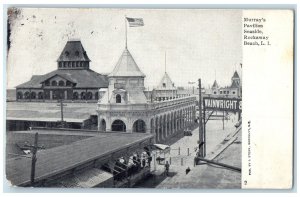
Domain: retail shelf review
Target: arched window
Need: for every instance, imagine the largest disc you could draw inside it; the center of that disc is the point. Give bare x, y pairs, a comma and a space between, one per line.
19, 95
89, 96
61, 83
47, 83
139, 126
33, 95
118, 98
118, 125
27, 95
215, 92
96, 95
68, 83
40, 95
233, 92
164, 85
83, 96
75, 95
54, 83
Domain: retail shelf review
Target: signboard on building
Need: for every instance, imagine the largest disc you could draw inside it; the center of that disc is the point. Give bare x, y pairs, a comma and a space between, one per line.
222, 104
119, 85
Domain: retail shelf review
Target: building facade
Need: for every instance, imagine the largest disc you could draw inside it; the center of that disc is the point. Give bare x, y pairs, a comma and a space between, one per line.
232, 91
165, 90
125, 108
73, 80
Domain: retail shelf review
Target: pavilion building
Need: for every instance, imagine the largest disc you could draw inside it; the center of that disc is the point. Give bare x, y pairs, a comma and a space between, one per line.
73, 80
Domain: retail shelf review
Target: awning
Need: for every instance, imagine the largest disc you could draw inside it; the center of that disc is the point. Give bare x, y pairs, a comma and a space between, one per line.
160, 147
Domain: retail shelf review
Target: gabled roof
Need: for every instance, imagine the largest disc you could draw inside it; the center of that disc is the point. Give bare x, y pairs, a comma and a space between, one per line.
167, 81
62, 75
73, 51
215, 85
126, 67
235, 75
83, 79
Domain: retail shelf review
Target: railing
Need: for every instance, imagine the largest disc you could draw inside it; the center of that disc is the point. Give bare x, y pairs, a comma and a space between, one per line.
146, 106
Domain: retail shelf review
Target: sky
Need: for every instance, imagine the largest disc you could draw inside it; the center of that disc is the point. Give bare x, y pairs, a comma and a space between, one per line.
204, 44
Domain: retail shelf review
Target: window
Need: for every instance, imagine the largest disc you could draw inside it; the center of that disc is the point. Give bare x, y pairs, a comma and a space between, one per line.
118, 98
40, 95
61, 83
89, 96
33, 95
54, 83
75, 95
215, 92
19, 95
233, 92
67, 53
97, 95
77, 53
83, 96
47, 83
221, 92
68, 83
164, 85
27, 95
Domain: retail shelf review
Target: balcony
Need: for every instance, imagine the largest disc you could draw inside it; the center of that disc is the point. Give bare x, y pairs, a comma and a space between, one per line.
146, 106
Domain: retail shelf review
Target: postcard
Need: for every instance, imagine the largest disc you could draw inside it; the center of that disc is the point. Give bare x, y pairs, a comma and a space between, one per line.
149, 98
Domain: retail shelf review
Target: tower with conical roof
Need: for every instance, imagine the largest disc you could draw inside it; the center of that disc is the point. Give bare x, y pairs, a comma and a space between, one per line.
166, 88
215, 85
235, 80
126, 82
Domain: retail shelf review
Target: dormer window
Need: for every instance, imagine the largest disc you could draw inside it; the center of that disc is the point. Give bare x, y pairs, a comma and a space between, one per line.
67, 53
164, 85
54, 83
77, 53
61, 83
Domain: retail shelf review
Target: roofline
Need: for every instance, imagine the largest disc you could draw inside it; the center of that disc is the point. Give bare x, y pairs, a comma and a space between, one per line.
110, 76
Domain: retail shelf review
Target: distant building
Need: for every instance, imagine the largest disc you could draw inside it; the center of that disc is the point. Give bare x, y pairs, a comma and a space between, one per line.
166, 89
232, 91
73, 80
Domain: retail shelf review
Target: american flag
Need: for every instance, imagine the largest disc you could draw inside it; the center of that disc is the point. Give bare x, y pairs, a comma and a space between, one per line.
135, 22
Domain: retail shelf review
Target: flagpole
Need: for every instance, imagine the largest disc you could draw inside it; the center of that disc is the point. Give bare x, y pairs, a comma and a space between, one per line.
125, 33
165, 61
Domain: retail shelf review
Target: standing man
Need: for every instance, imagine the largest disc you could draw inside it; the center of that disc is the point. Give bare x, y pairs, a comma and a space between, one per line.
167, 166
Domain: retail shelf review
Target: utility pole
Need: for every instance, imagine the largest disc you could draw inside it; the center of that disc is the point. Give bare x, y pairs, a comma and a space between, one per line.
34, 149
201, 141
62, 111
223, 120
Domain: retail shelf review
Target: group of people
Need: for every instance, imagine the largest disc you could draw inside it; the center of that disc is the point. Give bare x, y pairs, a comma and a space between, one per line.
123, 169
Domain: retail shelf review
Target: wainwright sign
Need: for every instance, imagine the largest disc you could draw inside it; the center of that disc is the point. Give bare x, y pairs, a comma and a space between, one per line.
223, 104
